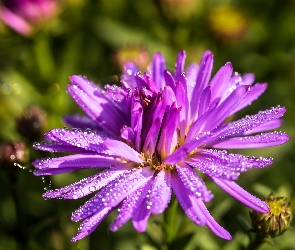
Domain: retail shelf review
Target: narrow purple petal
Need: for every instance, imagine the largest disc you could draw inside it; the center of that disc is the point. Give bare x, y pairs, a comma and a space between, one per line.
191, 76
114, 192
271, 125
193, 183
122, 149
96, 105
179, 65
241, 195
252, 95
77, 161
140, 217
58, 147
250, 122
169, 79
80, 121
202, 80
204, 101
91, 223
88, 185
187, 202
129, 205
87, 139
136, 124
161, 192
183, 103
168, 132
220, 81
128, 78
213, 225
213, 118
222, 165
151, 137
157, 70
257, 141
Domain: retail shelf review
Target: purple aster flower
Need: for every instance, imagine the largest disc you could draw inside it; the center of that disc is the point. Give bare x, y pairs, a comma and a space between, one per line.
149, 136
22, 15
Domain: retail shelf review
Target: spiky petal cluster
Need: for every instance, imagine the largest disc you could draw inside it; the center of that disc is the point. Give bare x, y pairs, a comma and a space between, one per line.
150, 135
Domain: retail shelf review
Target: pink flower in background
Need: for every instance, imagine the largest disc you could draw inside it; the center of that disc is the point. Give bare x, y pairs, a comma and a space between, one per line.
23, 15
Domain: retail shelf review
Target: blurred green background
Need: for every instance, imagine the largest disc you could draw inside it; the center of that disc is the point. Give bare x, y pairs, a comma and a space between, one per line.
94, 38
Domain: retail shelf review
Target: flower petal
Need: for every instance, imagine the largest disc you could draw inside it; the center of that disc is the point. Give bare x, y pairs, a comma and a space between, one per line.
252, 95
129, 205
193, 183
161, 192
257, 141
88, 185
87, 139
187, 202
241, 195
202, 80
114, 192
122, 149
213, 225
91, 223
74, 162
222, 165
157, 70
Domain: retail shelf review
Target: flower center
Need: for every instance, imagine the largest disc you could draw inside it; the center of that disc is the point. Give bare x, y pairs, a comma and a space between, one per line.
155, 162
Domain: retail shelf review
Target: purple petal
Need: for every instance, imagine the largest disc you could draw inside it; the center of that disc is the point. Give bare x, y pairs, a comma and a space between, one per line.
271, 125
191, 76
179, 65
213, 225
252, 95
136, 123
58, 147
213, 118
187, 202
193, 183
183, 103
202, 80
250, 122
257, 141
114, 192
222, 165
128, 78
168, 132
87, 139
161, 192
151, 137
96, 105
74, 162
242, 195
140, 217
204, 101
157, 70
129, 205
220, 81
80, 121
91, 223
169, 80
122, 149
88, 185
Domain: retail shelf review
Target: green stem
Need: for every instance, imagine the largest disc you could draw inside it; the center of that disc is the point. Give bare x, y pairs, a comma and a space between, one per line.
255, 243
169, 224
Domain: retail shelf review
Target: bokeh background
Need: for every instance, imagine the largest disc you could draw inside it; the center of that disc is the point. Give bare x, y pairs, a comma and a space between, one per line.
94, 38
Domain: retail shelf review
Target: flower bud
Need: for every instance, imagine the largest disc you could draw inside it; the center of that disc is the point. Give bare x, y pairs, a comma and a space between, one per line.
32, 123
275, 222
